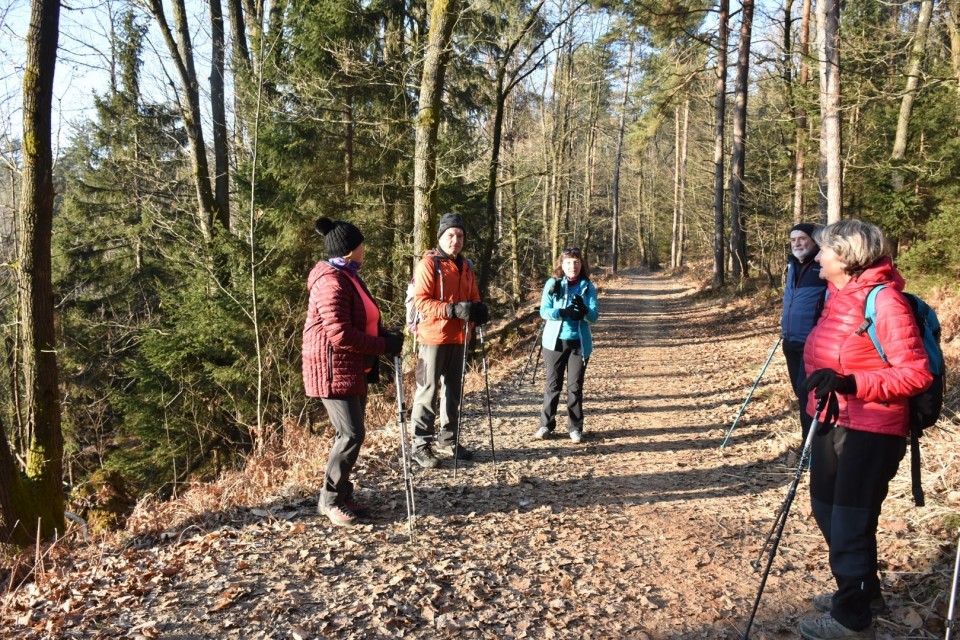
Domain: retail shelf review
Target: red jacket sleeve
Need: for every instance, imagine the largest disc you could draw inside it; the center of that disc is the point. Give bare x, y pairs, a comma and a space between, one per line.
909, 370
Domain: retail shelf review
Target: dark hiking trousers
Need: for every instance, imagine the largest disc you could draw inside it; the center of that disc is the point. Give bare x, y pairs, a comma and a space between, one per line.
347, 416
793, 352
439, 373
568, 358
850, 473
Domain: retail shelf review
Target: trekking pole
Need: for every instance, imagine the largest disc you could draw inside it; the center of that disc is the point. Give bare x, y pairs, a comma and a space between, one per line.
463, 382
776, 532
523, 373
404, 453
953, 592
486, 384
750, 395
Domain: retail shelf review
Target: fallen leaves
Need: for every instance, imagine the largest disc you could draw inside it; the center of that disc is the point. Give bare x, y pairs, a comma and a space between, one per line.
645, 531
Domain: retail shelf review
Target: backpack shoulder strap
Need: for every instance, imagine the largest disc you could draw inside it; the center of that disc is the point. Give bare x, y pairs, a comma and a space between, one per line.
870, 313
437, 276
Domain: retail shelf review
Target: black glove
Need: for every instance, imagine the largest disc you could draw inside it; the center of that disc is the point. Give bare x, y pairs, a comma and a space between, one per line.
574, 313
462, 310
830, 417
564, 312
580, 305
826, 381
394, 343
479, 313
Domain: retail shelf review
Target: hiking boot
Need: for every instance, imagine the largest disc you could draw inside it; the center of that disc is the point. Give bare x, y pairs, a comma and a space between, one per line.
576, 436
462, 453
340, 516
824, 603
542, 433
358, 509
826, 628
425, 458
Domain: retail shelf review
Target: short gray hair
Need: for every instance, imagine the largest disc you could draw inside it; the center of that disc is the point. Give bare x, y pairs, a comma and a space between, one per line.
857, 243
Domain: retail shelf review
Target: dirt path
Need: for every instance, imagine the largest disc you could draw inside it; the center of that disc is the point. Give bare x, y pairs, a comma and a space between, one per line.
645, 530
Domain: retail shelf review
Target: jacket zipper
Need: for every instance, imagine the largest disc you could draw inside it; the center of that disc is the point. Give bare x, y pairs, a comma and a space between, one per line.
330, 363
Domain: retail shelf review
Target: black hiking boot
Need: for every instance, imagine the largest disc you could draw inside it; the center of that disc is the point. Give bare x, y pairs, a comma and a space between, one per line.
425, 458
460, 451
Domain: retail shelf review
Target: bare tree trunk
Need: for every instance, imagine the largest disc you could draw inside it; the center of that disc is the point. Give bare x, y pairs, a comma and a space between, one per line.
348, 143
720, 111
801, 116
951, 11
26, 508
181, 51
615, 232
675, 227
682, 200
910, 93
738, 161
218, 110
442, 18
831, 178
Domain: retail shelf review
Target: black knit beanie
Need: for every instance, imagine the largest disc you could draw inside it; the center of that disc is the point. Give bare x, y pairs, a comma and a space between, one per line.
806, 227
339, 237
450, 220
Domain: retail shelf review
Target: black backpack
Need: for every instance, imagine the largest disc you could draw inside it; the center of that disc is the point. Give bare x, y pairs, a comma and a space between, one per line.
926, 406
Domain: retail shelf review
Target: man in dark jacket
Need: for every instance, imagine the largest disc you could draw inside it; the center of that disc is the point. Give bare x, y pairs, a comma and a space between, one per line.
802, 302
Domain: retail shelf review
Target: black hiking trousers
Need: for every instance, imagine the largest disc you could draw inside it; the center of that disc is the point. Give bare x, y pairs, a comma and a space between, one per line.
850, 473
793, 352
567, 358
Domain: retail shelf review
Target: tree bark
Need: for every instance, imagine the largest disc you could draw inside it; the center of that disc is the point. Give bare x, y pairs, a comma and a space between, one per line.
720, 111
910, 92
951, 10
682, 195
800, 112
219, 112
181, 50
621, 128
442, 18
738, 160
37, 503
830, 174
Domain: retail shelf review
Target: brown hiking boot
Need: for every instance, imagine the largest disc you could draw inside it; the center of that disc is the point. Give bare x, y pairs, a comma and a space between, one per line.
358, 509
340, 516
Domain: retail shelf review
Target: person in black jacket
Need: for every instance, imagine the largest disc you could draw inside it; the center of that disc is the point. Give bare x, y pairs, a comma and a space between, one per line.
803, 297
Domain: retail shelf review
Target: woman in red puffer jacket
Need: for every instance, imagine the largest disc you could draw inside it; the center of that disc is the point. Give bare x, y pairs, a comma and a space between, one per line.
342, 338
853, 463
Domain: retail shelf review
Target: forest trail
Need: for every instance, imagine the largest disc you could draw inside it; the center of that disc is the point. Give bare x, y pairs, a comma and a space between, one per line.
645, 530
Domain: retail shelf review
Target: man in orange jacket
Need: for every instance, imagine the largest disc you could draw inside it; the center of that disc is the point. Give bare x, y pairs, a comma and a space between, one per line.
447, 299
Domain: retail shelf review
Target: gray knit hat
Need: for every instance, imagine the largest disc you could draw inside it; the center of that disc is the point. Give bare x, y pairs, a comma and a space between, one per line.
450, 220
339, 237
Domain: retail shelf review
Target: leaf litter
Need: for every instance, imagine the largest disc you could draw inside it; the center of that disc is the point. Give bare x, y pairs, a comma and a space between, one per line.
645, 530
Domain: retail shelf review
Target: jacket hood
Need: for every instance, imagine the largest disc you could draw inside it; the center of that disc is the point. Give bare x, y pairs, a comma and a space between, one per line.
880, 272
319, 270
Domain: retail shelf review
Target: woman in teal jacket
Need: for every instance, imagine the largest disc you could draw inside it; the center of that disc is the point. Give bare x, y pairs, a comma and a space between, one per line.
568, 306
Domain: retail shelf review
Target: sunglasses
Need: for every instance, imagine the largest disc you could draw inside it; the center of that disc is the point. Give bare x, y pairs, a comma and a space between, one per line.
571, 251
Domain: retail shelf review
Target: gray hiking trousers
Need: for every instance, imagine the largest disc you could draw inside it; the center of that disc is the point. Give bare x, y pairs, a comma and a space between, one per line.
439, 372
347, 415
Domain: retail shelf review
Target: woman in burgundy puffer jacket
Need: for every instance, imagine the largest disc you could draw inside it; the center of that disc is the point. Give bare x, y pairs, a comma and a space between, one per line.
853, 463
342, 338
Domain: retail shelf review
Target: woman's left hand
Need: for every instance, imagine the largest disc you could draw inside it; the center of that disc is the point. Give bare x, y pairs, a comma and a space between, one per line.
826, 381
